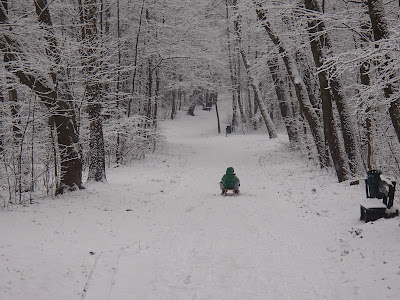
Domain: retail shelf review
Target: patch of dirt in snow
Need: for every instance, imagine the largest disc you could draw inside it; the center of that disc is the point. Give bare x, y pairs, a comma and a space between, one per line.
159, 229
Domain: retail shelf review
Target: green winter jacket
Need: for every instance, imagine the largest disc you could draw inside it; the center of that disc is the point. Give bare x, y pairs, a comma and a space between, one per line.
229, 179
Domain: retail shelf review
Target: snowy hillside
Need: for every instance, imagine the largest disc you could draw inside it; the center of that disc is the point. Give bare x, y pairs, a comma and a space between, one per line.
159, 229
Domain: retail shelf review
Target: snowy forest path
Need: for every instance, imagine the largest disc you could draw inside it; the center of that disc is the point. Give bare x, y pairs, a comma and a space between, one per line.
160, 229
201, 245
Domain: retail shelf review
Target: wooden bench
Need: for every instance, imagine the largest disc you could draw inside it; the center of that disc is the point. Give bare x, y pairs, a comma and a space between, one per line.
374, 209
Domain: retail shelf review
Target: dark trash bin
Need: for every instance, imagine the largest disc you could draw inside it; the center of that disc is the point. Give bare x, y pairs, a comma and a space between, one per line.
228, 130
373, 181
377, 188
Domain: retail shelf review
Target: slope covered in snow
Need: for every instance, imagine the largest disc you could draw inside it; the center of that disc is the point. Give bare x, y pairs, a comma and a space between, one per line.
159, 229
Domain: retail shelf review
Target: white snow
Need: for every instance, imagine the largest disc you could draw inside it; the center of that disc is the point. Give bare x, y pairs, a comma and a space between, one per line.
159, 229
386, 180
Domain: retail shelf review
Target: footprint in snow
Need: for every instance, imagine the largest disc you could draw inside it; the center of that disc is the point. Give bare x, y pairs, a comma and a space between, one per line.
189, 209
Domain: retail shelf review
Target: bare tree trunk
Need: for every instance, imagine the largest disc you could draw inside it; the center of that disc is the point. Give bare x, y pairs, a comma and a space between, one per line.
194, 99
66, 130
347, 123
284, 104
239, 89
257, 94
380, 31
232, 71
136, 52
64, 114
300, 88
15, 110
120, 140
149, 88
214, 99
258, 98
173, 104
366, 81
340, 162
156, 91
96, 140
32, 181
17, 143
250, 114
311, 83
68, 144
1, 122
97, 163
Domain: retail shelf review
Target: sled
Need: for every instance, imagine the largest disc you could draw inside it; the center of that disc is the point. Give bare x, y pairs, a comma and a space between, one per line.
233, 192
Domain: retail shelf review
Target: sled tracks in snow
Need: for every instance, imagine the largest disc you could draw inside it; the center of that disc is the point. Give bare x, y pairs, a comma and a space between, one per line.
102, 274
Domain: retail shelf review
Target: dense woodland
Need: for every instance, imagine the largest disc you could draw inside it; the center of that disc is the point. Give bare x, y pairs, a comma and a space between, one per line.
85, 82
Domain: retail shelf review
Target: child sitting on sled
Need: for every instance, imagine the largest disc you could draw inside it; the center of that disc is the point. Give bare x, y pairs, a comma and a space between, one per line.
230, 181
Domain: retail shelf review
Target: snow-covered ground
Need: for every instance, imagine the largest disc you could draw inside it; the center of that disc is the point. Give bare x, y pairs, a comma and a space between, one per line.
159, 229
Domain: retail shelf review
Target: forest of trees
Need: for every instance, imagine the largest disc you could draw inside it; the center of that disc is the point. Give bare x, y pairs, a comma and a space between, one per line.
84, 82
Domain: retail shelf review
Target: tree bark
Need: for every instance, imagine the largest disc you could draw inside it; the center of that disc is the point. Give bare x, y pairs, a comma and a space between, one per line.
239, 86
66, 132
366, 81
347, 123
340, 162
135, 64
257, 94
284, 104
300, 88
194, 98
149, 88
232, 71
88, 10
214, 99
258, 98
173, 105
380, 31
156, 93
64, 114
15, 111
